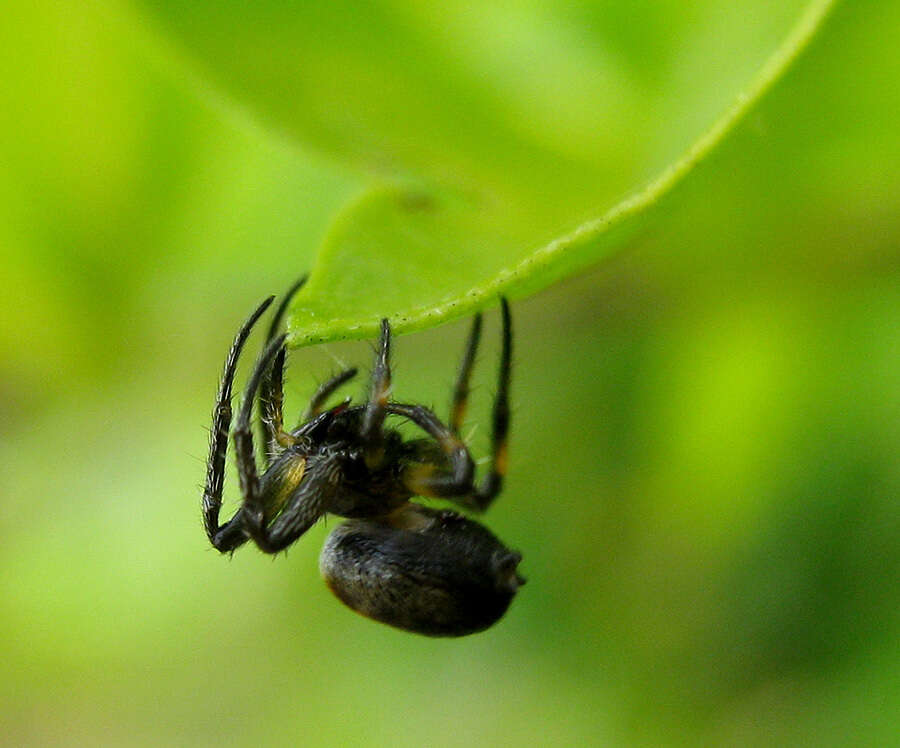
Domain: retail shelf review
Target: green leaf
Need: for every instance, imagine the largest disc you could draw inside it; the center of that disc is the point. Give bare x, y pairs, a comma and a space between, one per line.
501, 146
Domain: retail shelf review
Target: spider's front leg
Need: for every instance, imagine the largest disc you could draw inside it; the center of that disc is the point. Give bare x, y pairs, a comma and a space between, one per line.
295, 491
271, 387
229, 536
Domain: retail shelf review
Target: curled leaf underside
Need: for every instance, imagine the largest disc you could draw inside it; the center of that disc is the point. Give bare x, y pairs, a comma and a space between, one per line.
499, 147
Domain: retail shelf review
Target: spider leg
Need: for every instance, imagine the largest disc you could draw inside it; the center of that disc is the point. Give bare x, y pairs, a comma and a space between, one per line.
313, 481
253, 509
325, 390
308, 502
229, 536
376, 409
452, 476
271, 406
271, 387
448, 480
461, 390
275, 324
482, 497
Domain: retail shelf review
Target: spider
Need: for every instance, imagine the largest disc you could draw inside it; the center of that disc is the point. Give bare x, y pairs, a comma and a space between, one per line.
425, 570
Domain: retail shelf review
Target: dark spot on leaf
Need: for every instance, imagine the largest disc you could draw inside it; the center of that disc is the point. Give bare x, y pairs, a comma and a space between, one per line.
417, 201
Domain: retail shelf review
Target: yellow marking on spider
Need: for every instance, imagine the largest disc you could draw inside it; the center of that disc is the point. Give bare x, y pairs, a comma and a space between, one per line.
501, 460
295, 472
383, 395
290, 479
459, 411
409, 517
419, 476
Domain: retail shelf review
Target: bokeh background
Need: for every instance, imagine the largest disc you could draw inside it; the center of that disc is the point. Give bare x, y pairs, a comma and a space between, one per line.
705, 467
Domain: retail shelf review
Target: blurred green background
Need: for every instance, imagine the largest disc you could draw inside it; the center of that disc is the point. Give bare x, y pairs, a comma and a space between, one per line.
704, 472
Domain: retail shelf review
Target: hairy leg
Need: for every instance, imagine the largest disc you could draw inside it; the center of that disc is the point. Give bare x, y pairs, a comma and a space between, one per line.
271, 387
461, 390
230, 536
253, 508
376, 409
492, 484
308, 501
450, 478
325, 390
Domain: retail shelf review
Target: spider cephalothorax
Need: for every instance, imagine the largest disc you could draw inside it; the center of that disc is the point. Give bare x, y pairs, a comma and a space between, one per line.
430, 571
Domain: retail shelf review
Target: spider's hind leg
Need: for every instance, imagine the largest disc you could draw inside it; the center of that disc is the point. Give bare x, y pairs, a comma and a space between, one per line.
229, 536
448, 471
442, 469
461, 390
483, 495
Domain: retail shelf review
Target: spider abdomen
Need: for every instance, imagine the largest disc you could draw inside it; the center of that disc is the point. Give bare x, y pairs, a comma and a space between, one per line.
423, 570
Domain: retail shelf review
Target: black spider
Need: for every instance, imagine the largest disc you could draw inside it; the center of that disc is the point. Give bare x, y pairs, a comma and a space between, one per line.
420, 569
